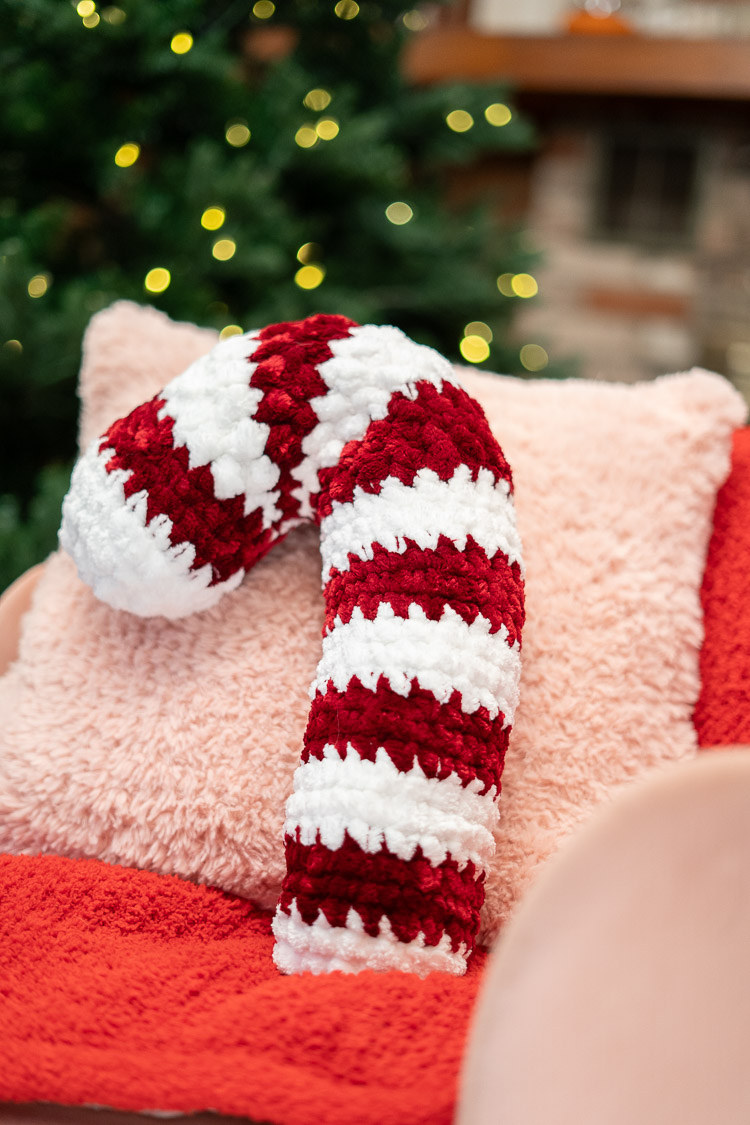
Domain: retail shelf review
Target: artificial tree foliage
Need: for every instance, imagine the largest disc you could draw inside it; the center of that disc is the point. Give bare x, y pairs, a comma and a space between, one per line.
79, 82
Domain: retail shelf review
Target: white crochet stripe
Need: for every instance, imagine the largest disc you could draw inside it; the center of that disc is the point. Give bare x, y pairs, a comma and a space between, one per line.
366, 369
323, 948
128, 563
212, 405
423, 511
444, 656
376, 804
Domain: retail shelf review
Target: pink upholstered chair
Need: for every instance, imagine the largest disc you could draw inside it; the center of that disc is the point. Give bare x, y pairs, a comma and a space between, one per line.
619, 990
617, 993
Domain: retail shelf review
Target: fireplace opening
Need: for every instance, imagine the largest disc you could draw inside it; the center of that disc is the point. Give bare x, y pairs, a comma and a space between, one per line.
648, 187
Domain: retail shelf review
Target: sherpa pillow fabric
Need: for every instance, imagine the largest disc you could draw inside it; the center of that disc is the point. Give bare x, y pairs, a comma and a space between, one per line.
171, 745
615, 491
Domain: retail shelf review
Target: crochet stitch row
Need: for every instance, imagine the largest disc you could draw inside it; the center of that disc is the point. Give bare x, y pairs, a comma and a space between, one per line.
389, 828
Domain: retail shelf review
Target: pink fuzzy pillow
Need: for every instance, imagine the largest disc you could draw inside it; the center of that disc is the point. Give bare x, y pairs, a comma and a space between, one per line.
171, 745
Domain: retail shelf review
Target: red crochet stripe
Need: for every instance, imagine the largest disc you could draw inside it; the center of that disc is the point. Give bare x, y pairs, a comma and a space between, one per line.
440, 737
413, 895
466, 580
288, 358
436, 429
440, 430
222, 536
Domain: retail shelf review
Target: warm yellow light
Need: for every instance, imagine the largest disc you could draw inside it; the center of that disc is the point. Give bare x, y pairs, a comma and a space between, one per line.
181, 42
237, 134
86, 8
127, 155
224, 249
498, 114
230, 330
38, 285
306, 136
505, 284
327, 128
398, 213
533, 357
524, 285
459, 120
213, 218
474, 349
157, 280
347, 9
13, 346
317, 99
309, 277
264, 9
115, 16
479, 328
308, 252
91, 21
415, 21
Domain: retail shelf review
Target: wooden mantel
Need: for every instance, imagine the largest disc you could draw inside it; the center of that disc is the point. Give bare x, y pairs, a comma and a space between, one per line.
583, 64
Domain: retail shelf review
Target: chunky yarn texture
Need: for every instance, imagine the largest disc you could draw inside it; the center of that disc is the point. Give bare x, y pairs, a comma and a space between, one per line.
389, 829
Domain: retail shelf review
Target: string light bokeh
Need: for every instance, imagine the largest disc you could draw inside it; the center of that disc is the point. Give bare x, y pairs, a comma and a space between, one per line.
240, 170
475, 342
327, 128
224, 249
213, 218
181, 43
309, 277
317, 99
309, 252
264, 9
534, 357
157, 280
237, 134
498, 114
399, 213
517, 285
38, 285
306, 136
347, 9
459, 120
127, 154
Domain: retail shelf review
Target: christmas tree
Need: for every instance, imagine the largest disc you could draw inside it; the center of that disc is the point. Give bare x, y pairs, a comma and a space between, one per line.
234, 165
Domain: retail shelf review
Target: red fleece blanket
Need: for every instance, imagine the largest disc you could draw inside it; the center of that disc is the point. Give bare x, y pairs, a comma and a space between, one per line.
722, 715
141, 991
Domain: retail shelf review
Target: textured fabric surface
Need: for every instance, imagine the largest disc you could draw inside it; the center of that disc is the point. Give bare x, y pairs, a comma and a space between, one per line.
722, 715
615, 492
615, 487
140, 991
389, 830
163, 744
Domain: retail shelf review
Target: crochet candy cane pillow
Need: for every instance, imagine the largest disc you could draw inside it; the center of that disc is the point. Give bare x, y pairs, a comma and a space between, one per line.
389, 828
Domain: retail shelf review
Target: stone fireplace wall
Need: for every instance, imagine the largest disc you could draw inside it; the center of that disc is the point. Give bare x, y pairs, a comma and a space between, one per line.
626, 310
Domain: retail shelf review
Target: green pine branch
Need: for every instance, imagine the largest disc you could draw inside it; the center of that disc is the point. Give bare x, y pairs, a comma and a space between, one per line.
80, 228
